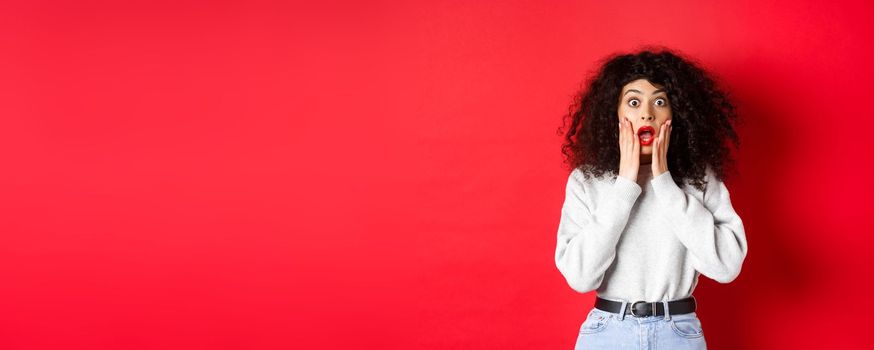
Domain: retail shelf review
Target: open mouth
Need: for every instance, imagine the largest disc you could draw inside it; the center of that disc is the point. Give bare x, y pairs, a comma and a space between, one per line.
646, 134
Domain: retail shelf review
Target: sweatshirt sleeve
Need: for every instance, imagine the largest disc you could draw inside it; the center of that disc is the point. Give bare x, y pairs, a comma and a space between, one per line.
711, 231
588, 234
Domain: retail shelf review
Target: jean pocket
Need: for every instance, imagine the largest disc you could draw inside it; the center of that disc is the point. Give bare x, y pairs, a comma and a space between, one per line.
595, 322
687, 326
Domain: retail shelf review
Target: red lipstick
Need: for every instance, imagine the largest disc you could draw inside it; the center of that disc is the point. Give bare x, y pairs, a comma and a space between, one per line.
646, 134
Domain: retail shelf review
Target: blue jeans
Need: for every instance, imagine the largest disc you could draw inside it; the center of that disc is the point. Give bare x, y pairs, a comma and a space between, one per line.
607, 330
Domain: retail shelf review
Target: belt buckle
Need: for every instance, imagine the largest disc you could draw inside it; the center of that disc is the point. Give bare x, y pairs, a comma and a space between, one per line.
635, 303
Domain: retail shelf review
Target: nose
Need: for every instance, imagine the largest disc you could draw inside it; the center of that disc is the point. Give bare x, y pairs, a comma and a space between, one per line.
646, 117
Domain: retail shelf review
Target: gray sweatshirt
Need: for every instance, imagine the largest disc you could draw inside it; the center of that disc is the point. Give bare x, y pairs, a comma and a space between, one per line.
647, 240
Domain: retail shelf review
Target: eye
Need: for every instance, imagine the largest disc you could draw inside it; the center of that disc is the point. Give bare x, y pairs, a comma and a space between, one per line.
633, 102
663, 102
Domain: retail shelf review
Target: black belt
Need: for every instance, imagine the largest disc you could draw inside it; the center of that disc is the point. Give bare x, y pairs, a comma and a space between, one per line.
644, 308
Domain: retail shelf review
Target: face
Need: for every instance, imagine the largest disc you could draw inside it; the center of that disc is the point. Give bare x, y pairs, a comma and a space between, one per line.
646, 106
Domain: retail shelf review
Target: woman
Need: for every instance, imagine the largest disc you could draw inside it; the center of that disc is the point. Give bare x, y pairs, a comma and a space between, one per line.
646, 210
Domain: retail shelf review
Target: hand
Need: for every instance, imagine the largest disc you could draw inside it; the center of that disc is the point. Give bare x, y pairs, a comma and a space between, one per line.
629, 151
660, 150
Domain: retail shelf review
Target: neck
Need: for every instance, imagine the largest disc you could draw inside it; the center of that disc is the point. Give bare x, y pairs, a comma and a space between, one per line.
645, 159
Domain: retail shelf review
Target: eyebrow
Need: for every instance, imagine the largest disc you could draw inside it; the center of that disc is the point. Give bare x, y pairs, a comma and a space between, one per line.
637, 91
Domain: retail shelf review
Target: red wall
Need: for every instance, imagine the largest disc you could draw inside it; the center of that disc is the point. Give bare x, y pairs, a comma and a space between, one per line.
215, 175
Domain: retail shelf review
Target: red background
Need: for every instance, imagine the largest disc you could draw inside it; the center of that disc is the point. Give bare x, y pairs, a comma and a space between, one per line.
254, 175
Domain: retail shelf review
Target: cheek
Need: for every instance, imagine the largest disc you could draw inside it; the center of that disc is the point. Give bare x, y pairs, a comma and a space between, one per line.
624, 111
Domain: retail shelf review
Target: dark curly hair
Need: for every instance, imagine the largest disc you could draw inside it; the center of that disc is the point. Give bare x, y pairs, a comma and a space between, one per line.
702, 116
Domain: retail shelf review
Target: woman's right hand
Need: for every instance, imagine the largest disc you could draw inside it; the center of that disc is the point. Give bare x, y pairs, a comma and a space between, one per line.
629, 151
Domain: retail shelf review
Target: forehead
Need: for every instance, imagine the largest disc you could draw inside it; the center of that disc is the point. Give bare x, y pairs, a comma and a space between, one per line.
641, 85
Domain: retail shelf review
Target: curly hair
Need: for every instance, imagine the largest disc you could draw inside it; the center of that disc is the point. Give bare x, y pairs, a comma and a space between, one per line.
702, 116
